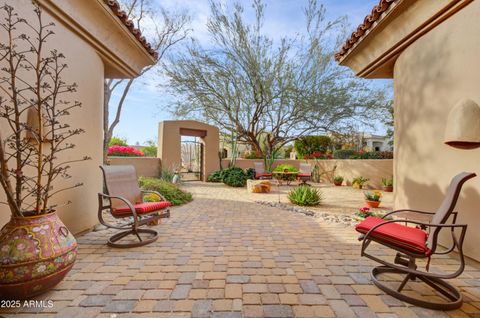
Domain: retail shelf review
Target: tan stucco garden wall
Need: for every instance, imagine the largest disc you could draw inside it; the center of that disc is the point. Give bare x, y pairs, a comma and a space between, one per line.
430, 76
169, 144
145, 167
374, 170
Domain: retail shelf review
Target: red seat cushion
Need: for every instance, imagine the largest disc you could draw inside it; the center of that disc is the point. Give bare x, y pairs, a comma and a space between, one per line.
409, 238
142, 208
304, 174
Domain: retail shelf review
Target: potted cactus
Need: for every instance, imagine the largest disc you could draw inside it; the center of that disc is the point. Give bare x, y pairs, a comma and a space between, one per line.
337, 180
373, 198
387, 184
36, 249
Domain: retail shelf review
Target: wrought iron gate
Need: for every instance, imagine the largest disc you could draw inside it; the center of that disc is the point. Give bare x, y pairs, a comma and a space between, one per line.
192, 159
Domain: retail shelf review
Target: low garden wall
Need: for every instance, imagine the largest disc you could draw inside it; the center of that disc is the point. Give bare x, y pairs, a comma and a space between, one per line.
145, 166
373, 169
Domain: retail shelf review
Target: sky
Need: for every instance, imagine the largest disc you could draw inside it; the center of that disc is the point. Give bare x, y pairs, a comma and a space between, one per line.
147, 103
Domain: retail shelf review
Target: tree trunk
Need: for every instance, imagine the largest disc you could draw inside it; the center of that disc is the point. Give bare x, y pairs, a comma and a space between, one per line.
106, 137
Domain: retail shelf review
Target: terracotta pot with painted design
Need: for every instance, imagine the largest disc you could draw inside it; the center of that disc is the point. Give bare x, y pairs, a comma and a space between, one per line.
36, 253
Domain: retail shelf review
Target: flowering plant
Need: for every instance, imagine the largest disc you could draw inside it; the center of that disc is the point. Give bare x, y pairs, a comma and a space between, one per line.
124, 151
364, 212
318, 156
374, 195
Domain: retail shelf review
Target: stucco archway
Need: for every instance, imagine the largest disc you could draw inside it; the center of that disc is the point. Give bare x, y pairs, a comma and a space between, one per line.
169, 143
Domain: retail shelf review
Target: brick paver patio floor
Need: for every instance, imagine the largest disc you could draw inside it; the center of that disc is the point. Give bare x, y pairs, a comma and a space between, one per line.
225, 256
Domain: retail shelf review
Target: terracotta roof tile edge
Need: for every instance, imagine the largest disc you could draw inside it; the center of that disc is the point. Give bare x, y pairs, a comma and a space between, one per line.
369, 20
122, 15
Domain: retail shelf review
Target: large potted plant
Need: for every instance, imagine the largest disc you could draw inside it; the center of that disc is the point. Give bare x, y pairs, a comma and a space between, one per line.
36, 249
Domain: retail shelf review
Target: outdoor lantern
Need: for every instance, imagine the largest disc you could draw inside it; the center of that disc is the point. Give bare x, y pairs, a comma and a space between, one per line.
463, 125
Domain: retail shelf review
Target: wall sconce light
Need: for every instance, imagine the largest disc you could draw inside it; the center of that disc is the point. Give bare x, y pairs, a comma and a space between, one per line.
463, 125
33, 124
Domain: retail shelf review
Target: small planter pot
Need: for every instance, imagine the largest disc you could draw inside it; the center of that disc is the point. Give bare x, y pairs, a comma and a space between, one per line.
337, 183
357, 186
372, 204
35, 255
388, 188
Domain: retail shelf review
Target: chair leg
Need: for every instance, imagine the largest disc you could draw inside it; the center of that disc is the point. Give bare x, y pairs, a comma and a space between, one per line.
153, 236
454, 301
404, 282
165, 215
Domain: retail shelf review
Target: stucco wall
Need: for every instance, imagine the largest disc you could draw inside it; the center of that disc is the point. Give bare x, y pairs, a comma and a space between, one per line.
86, 69
374, 170
145, 167
169, 144
431, 76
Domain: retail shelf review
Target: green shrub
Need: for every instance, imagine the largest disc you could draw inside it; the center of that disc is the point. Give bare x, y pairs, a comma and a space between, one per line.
344, 153
216, 176
250, 172
285, 177
378, 155
150, 150
310, 144
305, 196
117, 141
167, 174
169, 190
234, 177
287, 166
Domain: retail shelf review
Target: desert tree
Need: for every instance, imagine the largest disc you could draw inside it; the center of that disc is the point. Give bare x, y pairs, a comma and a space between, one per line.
270, 92
389, 122
34, 102
163, 29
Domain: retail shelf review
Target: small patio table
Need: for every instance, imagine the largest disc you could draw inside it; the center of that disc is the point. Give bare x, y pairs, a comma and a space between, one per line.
285, 176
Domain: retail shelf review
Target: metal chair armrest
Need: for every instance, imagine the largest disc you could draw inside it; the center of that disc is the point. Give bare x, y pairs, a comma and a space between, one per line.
154, 192
408, 210
102, 196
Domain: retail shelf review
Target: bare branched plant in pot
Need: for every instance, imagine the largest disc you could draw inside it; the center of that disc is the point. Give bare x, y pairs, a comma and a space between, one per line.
36, 249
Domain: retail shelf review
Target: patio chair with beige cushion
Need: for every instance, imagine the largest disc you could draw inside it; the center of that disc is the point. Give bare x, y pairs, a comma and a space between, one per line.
124, 200
260, 172
413, 240
305, 173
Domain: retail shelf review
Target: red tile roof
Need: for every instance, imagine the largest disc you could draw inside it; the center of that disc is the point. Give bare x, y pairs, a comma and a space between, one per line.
364, 27
122, 15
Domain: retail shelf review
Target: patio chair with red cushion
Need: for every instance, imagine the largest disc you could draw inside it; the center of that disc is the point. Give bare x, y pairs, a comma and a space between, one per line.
414, 240
260, 172
124, 200
305, 173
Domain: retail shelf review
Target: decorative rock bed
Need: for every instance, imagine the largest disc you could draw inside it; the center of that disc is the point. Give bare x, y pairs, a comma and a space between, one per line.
323, 216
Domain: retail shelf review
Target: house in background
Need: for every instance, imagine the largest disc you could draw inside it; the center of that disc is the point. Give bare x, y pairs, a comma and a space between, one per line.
375, 142
431, 49
98, 43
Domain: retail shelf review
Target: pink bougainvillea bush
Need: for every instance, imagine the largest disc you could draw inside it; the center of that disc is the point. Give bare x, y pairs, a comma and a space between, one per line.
124, 151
